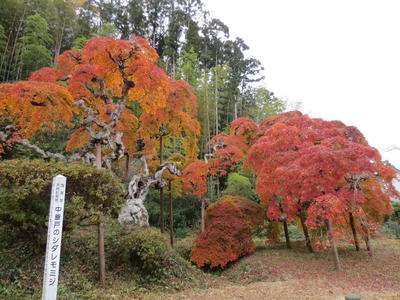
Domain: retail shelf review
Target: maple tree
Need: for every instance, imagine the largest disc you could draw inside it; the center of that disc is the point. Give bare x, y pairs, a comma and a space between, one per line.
122, 100
316, 169
322, 173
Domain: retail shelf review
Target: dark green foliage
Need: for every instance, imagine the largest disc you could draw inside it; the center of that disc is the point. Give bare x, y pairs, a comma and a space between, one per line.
47, 139
3, 41
396, 212
186, 212
260, 103
391, 226
79, 43
34, 46
25, 187
21, 267
149, 254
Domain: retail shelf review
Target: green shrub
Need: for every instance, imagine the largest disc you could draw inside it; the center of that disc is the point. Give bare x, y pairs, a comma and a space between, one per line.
25, 187
149, 254
240, 185
184, 246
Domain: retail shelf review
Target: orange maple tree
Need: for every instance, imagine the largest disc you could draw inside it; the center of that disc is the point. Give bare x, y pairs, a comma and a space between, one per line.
121, 97
122, 100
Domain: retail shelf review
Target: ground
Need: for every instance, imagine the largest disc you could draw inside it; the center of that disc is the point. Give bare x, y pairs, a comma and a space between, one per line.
269, 273
280, 273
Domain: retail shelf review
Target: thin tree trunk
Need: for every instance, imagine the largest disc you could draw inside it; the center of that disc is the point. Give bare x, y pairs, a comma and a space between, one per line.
216, 103
161, 190
353, 229
334, 248
102, 260
100, 240
21, 21
58, 43
366, 236
127, 161
305, 230
285, 227
368, 244
203, 225
171, 215
3, 58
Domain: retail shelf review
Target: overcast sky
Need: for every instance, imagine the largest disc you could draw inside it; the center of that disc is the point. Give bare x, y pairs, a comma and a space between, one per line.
340, 58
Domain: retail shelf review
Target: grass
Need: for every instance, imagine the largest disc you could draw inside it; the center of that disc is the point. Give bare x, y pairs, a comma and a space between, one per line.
269, 273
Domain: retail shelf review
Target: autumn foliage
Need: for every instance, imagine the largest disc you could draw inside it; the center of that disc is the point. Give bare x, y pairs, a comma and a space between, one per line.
323, 171
114, 80
229, 223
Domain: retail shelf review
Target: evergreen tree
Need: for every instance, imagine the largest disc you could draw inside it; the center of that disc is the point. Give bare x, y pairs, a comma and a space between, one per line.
259, 103
35, 52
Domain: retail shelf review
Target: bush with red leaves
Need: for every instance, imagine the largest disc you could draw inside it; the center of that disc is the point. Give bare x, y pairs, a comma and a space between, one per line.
227, 237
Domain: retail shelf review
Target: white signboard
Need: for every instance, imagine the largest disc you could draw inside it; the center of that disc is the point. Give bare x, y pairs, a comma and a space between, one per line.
54, 232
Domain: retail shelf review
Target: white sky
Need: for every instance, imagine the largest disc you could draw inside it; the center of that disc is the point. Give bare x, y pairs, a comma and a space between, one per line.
340, 58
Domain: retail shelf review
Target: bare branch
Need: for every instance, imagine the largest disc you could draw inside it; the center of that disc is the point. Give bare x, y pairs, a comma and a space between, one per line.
40, 151
91, 118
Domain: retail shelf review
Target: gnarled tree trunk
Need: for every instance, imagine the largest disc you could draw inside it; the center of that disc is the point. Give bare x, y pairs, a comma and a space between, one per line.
134, 210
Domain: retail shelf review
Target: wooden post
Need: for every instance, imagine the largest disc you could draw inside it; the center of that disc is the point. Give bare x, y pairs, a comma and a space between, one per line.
203, 225
161, 190
171, 215
285, 227
305, 230
353, 229
100, 240
333, 243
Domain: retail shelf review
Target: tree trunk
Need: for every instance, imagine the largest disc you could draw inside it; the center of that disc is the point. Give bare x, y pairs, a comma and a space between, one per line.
21, 21
285, 227
161, 190
102, 259
333, 243
134, 210
171, 216
100, 240
58, 43
368, 244
353, 229
203, 225
305, 230
126, 171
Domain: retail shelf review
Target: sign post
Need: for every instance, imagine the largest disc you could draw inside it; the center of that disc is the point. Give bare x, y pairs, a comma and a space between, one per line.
54, 233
